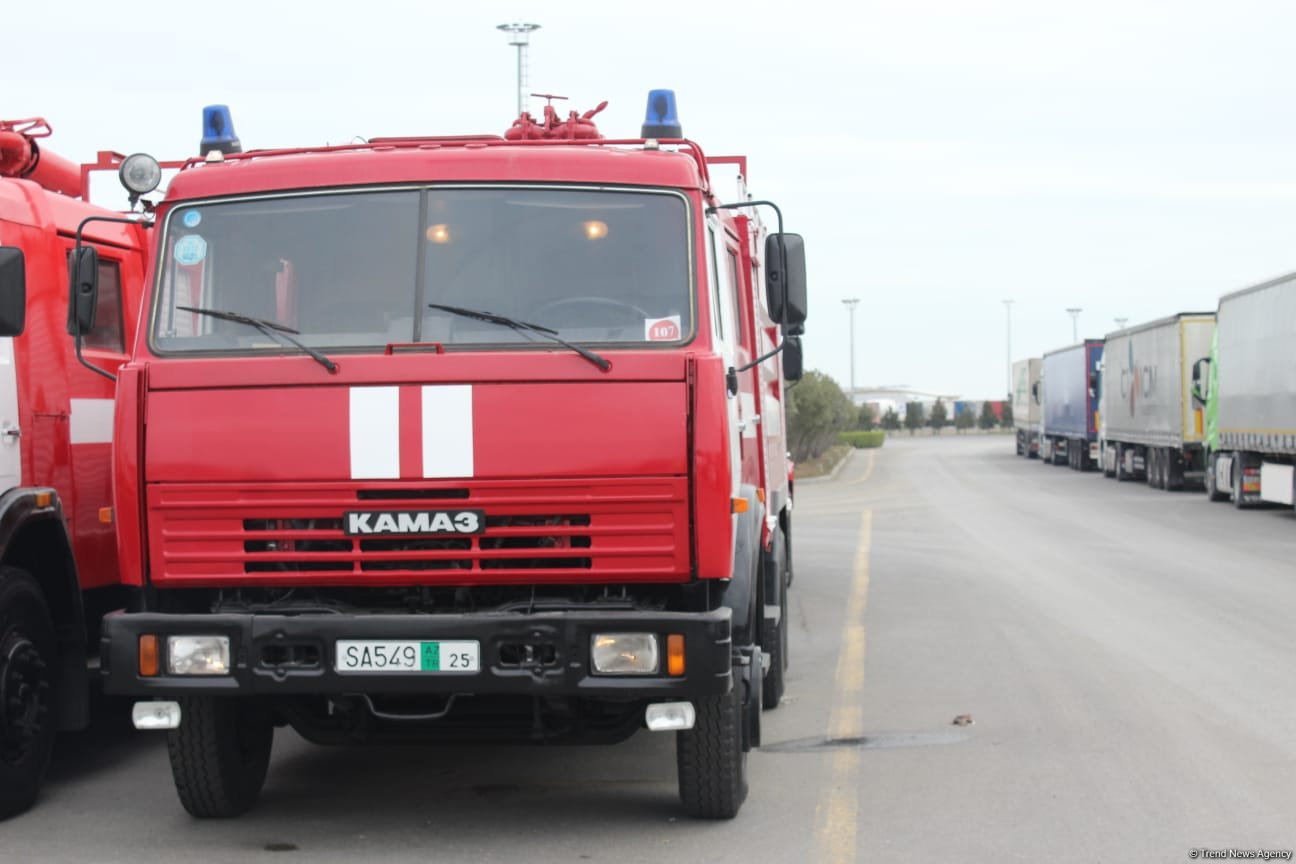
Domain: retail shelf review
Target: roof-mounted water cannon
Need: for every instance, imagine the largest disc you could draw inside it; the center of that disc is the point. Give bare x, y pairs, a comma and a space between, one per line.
218, 132
21, 156
662, 118
577, 127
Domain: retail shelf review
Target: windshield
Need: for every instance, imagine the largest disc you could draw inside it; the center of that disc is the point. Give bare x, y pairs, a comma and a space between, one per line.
367, 269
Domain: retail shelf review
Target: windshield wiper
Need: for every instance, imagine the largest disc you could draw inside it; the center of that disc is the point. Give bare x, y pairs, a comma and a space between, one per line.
526, 327
273, 329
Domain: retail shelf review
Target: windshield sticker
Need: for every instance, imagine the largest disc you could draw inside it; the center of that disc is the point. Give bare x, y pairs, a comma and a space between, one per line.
190, 250
662, 329
191, 218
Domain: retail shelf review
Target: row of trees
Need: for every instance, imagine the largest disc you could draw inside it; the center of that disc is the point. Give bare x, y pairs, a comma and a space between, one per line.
915, 418
818, 410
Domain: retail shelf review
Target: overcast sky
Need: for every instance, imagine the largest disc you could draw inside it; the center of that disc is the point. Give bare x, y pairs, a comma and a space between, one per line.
1133, 158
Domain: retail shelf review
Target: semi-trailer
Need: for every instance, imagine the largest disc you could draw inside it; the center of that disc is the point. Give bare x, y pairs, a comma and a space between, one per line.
1151, 428
1070, 394
1026, 406
1247, 387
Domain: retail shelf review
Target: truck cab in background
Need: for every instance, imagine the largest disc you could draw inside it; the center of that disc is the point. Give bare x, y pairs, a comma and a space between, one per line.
1247, 390
470, 438
58, 559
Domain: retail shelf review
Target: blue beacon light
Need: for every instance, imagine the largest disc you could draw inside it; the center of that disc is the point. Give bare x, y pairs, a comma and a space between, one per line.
218, 131
661, 119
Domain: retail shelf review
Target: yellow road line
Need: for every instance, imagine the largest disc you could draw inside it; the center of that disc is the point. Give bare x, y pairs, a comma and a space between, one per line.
837, 813
868, 469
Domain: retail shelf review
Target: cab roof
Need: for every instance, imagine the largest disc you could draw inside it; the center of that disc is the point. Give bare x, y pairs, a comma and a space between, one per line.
413, 160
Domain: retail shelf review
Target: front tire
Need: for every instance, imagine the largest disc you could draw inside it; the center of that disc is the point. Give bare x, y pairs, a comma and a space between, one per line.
711, 761
27, 693
220, 754
776, 646
1213, 492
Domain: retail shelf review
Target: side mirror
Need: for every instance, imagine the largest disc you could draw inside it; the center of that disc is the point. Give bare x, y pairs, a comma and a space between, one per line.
1093, 385
1198, 377
792, 358
1035, 392
83, 291
13, 291
785, 281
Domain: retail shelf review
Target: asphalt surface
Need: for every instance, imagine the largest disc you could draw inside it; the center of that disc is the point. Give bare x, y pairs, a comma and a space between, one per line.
1126, 658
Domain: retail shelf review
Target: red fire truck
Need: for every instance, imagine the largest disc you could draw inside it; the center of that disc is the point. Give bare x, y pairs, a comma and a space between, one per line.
458, 438
58, 562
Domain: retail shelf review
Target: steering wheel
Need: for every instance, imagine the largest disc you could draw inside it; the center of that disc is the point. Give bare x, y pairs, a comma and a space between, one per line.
594, 304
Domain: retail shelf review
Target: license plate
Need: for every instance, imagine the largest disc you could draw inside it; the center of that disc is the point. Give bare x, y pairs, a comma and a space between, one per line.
406, 655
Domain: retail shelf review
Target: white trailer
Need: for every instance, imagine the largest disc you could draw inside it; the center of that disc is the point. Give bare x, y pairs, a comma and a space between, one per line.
1249, 388
1151, 427
1026, 406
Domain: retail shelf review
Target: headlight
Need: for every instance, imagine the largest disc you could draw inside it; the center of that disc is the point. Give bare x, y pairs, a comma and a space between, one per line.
140, 173
624, 653
198, 655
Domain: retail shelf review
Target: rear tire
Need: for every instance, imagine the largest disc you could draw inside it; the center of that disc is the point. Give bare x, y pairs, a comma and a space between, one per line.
220, 754
710, 757
27, 692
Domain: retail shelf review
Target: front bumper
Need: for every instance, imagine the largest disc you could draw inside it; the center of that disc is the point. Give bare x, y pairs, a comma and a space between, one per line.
295, 654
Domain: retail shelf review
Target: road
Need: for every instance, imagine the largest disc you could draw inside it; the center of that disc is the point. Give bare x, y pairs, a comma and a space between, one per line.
1126, 658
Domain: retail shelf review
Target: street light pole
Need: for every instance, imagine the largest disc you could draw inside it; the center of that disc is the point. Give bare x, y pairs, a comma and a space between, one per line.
520, 38
851, 304
1120, 323
1074, 312
1008, 342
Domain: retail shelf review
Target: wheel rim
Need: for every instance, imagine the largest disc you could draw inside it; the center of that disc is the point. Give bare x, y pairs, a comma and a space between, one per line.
22, 697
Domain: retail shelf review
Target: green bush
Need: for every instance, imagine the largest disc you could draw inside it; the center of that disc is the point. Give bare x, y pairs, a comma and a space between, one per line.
817, 410
861, 439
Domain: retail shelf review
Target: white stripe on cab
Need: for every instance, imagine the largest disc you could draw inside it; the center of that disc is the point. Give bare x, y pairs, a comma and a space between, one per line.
375, 433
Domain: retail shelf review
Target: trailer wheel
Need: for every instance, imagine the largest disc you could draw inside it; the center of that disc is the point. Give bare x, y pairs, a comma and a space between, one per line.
220, 754
1122, 474
27, 693
1154, 468
1213, 492
1107, 472
711, 762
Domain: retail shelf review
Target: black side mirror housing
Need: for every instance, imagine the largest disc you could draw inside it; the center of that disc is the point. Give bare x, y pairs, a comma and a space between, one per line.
13, 291
792, 358
83, 290
785, 281
1199, 375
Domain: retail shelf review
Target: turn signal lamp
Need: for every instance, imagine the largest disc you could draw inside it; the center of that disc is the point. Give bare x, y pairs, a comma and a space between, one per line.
218, 131
661, 119
148, 656
675, 655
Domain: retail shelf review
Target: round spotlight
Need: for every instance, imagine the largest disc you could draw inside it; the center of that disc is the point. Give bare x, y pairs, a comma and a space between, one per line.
595, 229
140, 173
439, 233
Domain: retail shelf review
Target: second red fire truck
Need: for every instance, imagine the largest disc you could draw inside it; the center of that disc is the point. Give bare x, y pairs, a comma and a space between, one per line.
58, 564
458, 438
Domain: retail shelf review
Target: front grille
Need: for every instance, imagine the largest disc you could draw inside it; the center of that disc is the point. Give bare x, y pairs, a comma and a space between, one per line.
557, 532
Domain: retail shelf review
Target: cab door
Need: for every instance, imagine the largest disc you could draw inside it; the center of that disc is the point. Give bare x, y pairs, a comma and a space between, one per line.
10, 449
